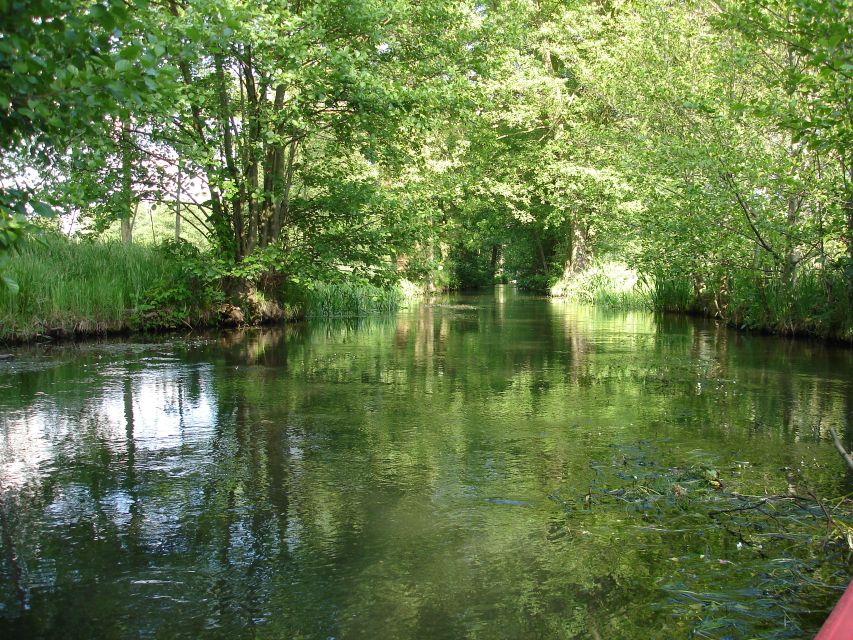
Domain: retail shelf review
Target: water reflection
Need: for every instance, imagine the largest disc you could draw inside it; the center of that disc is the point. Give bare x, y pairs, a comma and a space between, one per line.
387, 477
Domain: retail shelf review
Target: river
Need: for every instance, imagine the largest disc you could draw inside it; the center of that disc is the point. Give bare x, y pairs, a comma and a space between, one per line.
455, 470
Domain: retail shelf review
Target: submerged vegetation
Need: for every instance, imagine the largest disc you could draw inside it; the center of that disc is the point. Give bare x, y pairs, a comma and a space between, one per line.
779, 554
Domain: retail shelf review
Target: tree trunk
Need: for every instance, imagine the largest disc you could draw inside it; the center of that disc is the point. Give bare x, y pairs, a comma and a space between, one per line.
126, 183
541, 249
126, 231
240, 196
282, 208
792, 256
252, 152
178, 208
579, 255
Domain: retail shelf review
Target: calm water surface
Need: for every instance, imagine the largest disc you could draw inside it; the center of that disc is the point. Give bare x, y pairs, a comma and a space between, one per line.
409, 476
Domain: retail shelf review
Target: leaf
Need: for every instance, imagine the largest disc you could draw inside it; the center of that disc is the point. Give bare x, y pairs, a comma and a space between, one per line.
43, 209
130, 52
10, 284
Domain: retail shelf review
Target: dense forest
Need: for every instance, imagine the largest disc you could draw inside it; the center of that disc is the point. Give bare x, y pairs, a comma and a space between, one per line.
688, 156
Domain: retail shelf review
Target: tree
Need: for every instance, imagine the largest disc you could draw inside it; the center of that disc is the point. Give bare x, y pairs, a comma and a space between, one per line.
65, 67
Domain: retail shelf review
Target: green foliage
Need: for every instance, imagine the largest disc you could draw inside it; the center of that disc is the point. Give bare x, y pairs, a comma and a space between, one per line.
189, 296
65, 64
69, 70
453, 143
470, 268
534, 282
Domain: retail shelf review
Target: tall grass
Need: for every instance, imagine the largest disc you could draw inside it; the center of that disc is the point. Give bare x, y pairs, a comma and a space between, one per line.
607, 284
69, 287
672, 294
815, 303
349, 299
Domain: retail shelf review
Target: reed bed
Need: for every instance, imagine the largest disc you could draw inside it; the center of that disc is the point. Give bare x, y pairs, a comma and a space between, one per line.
815, 303
350, 299
69, 287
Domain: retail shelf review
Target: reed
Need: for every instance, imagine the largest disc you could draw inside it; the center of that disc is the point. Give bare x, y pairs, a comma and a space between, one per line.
672, 294
814, 303
349, 299
70, 286
606, 284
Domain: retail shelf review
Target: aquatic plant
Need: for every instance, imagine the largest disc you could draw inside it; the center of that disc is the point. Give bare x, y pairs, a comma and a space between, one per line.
347, 299
757, 565
810, 304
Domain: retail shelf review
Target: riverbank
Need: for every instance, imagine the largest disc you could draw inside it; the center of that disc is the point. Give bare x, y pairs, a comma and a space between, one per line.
75, 289
78, 288
812, 306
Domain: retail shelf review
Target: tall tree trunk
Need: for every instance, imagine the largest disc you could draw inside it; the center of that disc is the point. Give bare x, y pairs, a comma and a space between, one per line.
252, 152
541, 249
582, 254
792, 257
126, 231
126, 184
579, 254
272, 169
282, 208
239, 197
178, 207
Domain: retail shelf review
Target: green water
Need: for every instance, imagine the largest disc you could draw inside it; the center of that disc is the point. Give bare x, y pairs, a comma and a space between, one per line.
413, 476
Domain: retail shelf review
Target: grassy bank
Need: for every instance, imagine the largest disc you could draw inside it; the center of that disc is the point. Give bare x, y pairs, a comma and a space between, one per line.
606, 284
78, 287
814, 304
71, 288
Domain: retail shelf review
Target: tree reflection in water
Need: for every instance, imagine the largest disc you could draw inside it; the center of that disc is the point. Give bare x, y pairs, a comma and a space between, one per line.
385, 477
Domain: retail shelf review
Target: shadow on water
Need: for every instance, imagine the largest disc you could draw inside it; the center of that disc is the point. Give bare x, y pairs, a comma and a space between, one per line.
388, 476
